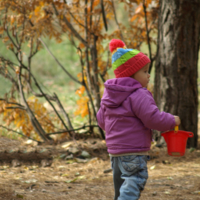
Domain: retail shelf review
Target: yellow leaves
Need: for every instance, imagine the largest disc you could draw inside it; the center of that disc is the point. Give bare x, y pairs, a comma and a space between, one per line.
10, 46
59, 40
61, 16
41, 3
80, 91
139, 13
139, 9
139, 16
20, 119
37, 107
80, 76
37, 11
109, 15
81, 45
133, 1
96, 2
82, 107
12, 19
17, 70
102, 65
82, 103
1, 30
5, 39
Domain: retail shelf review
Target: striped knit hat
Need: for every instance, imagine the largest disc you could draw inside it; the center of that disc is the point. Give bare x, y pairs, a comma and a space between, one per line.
125, 62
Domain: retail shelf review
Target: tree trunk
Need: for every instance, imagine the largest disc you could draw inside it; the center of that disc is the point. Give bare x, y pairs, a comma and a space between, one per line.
176, 89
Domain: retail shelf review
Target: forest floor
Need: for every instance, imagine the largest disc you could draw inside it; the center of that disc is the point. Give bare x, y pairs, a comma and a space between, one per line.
170, 178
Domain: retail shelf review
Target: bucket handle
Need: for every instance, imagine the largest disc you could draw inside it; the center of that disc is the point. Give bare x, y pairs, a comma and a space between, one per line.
190, 134
176, 128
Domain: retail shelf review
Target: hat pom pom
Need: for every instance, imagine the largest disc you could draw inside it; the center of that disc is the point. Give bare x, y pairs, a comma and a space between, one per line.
116, 43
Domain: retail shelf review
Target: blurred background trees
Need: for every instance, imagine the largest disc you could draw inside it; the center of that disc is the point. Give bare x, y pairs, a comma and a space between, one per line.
176, 73
33, 107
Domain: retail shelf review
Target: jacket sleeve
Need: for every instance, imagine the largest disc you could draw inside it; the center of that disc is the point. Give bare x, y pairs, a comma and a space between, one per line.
100, 117
144, 107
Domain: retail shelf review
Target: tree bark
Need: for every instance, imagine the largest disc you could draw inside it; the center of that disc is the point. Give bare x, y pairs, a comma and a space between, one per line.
176, 74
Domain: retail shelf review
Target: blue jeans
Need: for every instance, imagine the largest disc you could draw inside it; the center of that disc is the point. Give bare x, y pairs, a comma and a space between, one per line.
129, 176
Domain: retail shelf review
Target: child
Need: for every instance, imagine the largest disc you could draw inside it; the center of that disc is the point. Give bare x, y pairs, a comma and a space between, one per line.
127, 114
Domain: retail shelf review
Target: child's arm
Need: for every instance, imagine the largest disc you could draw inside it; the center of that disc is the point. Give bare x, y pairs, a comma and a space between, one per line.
100, 118
144, 107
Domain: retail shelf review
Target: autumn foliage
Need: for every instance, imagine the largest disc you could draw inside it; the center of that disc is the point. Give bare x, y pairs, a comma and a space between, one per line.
89, 25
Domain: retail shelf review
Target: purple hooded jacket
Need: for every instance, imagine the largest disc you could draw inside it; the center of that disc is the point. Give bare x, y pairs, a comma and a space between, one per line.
127, 114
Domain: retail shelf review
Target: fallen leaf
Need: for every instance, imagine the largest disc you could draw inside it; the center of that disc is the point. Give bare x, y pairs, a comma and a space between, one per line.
196, 192
152, 167
75, 179
192, 149
65, 174
20, 196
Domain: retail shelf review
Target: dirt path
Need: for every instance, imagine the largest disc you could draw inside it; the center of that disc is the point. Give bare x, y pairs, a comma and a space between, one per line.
170, 178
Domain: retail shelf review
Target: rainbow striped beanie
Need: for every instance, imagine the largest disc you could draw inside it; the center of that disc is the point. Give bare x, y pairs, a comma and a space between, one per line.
126, 62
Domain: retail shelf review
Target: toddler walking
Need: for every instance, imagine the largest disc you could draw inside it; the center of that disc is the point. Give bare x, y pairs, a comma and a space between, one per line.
128, 113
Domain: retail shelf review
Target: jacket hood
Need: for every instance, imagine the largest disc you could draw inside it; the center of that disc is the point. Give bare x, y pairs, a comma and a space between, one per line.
117, 90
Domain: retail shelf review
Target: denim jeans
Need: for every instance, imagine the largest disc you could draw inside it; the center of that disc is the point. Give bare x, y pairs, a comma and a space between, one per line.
129, 176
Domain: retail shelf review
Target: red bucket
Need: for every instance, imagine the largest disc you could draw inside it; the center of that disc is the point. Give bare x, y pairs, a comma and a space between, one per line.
176, 141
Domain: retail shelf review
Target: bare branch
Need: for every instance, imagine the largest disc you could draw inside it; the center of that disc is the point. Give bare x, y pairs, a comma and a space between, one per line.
8, 34
57, 61
106, 69
70, 27
29, 61
91, 5
48, 98
113, 5
19, 105
9, 77
20, 133
23, 27
63, 111
64, 131
75, 18
38, 128
15, 107
104, 15
6, 29
148, 38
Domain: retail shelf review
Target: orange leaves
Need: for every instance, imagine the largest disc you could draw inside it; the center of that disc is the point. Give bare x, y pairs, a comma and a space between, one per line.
139, 13
96, 3
82, 103
80, 91
82, 107
82, 21
81, 45
80, 76
1, 30
144, 16
20, 119
12, 19
139, 9
102, 65
37, 11
5, 39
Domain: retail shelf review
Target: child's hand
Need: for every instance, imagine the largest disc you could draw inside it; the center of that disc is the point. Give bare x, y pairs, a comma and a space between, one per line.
177, 120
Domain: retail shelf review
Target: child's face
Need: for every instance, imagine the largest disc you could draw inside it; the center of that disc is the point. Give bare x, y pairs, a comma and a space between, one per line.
142, 76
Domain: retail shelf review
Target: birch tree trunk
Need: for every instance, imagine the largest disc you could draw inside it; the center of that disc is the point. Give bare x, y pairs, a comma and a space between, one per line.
176, 74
